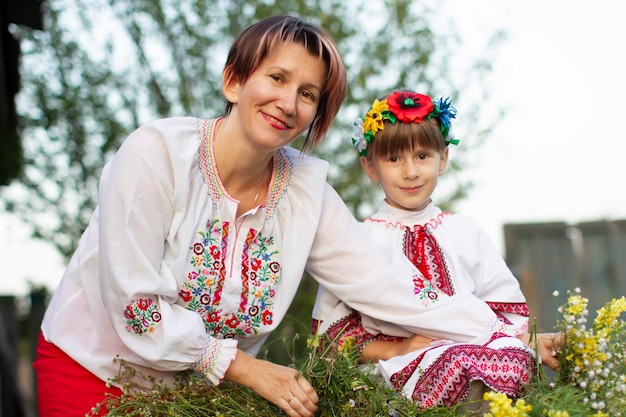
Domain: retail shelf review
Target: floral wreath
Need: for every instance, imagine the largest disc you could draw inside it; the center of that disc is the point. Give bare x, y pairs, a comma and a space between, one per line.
407, 107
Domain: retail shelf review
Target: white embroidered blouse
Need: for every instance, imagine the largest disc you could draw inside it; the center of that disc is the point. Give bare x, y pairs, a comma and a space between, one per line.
456, 257
167, 278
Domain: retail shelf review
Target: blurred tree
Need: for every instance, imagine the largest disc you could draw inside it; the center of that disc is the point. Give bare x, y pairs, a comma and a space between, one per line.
103, 67
27, 13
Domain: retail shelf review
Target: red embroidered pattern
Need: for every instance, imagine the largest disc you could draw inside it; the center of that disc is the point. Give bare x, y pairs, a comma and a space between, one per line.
142, 315
206, 131
434, 222
219, 261
447, 380
520, 309
349, 326
282, 174
245, 270
424, 252
202, 292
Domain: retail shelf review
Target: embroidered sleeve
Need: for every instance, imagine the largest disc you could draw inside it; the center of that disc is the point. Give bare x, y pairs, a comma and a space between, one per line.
520, 309
387, 338
138, 201
350, 331
142, 315
512, 318
348, 328
215, 358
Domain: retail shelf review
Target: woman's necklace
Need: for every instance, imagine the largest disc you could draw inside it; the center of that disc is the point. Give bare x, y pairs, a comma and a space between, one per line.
260, 187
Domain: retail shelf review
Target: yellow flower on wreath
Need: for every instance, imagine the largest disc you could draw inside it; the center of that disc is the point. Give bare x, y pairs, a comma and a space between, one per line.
347, 346
374, 118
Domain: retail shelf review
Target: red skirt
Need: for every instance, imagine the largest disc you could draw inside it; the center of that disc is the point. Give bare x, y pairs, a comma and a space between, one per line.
64, 388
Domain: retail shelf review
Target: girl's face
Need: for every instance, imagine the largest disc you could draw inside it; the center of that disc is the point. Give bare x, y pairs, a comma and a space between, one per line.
280, 99
407, 178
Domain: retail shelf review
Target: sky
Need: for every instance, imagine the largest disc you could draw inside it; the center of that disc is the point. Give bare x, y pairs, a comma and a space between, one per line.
557, 155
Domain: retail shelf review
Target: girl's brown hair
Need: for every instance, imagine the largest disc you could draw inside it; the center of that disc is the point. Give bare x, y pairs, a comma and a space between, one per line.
398, 137
259, 39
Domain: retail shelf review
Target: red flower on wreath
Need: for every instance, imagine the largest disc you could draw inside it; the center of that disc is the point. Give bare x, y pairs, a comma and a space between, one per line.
409, 107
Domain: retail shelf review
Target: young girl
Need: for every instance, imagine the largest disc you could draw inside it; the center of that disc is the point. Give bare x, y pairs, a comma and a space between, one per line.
403, 142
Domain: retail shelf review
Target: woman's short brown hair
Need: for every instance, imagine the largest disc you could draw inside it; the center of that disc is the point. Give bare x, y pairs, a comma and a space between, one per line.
259, 39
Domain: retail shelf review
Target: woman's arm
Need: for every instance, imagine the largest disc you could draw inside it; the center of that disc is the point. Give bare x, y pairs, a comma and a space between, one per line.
350, 266
281, 385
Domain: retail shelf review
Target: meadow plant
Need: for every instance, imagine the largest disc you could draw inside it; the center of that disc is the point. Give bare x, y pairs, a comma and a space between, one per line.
591, 381
500, 405
594, 355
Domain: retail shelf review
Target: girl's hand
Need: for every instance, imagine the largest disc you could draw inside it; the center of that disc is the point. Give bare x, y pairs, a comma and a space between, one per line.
280, 385
547, 345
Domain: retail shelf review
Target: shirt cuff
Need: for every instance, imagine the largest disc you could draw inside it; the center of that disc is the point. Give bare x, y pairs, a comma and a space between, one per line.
215, 358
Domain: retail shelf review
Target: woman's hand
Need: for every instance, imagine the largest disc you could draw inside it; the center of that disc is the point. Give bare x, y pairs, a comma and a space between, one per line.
280, 385
547, 345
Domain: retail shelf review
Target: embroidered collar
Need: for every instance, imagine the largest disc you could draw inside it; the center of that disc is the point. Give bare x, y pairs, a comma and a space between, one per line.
280, 171
398, 218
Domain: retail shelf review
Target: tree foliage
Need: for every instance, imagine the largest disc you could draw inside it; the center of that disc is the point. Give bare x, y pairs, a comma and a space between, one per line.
101, 68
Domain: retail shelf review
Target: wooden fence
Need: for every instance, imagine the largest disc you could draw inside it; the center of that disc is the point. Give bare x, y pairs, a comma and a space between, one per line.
548, 257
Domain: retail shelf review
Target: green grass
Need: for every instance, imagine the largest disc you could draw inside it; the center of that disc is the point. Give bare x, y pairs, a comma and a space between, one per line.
591, 381
342, 385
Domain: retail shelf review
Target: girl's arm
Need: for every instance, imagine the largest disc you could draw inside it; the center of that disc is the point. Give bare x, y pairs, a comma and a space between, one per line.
383, 349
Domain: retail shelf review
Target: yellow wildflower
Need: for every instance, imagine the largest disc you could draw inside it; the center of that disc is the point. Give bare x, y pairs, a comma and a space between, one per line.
502, 406
558, 413
576, 305
313, 342
346, 346
608, 315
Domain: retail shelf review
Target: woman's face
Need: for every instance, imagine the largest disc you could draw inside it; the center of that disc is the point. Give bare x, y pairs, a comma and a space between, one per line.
280, 99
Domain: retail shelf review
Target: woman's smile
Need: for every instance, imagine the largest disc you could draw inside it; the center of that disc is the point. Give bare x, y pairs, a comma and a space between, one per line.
274, 122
